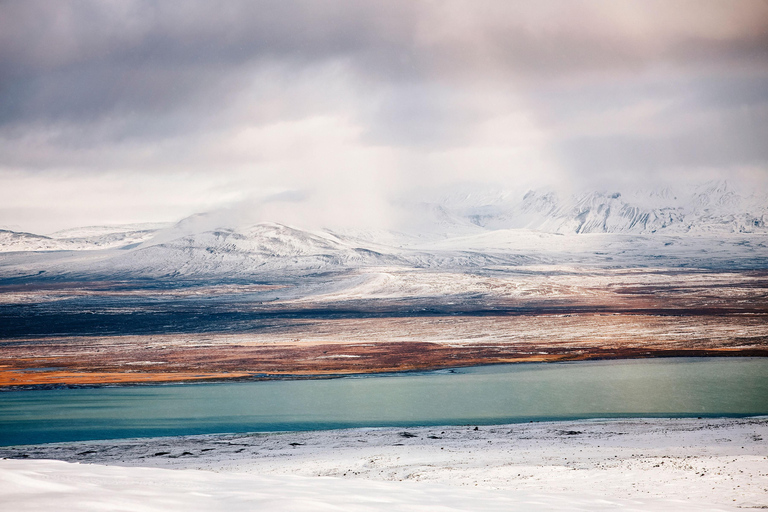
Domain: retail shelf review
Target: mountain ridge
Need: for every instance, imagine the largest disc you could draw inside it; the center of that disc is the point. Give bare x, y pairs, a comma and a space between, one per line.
714, 207
710, 225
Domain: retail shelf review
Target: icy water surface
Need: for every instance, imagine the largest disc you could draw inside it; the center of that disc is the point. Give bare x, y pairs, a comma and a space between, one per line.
675, 387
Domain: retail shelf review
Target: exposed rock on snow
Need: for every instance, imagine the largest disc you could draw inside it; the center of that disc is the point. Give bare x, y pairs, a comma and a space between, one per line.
714, 207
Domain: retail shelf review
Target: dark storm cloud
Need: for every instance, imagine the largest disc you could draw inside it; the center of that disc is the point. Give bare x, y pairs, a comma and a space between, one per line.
84, 59
368, 98
80, 60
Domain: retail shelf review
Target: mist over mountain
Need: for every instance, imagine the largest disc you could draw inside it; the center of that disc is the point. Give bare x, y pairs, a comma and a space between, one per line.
713, 224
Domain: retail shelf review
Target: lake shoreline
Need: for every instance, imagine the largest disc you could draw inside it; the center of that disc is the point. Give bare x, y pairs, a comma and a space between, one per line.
31, 379
660, 464
483, 395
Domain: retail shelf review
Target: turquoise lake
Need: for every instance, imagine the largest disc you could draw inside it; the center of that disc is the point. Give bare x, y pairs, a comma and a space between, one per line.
674, 387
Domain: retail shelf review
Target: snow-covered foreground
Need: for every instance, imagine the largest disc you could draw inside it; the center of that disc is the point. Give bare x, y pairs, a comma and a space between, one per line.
661, 464
54, 485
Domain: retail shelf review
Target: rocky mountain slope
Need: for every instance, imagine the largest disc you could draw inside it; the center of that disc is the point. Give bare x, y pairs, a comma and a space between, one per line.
715, 207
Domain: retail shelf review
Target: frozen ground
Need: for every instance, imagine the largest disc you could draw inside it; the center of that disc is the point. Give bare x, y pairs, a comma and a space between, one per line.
643, 464
53, 485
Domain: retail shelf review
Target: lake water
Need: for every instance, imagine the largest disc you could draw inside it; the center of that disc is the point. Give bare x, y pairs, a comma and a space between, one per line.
677, 387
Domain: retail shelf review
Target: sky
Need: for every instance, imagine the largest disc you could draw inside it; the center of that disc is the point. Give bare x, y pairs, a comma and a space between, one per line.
327, 111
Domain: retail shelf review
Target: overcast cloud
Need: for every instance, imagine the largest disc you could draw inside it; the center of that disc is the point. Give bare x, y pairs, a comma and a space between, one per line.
130, 111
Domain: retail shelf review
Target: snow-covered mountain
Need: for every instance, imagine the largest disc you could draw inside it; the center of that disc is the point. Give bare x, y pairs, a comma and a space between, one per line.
715, 207
712, 225
12, 241
264, 247
79, 239
271, 248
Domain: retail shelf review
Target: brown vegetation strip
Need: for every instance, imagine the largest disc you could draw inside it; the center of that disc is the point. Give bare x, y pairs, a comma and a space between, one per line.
14, 378
324, 347
317, 360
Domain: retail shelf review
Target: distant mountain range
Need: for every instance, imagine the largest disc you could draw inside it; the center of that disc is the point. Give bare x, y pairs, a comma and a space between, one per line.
713, 223
715, 207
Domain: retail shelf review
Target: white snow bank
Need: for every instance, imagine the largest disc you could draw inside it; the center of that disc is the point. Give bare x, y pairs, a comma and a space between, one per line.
54, 485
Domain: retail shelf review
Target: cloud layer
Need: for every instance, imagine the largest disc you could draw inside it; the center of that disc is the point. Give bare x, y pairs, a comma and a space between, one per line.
143, 110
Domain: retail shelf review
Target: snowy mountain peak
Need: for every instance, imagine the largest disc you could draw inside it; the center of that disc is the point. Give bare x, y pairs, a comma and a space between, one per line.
714, 207
470, 230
